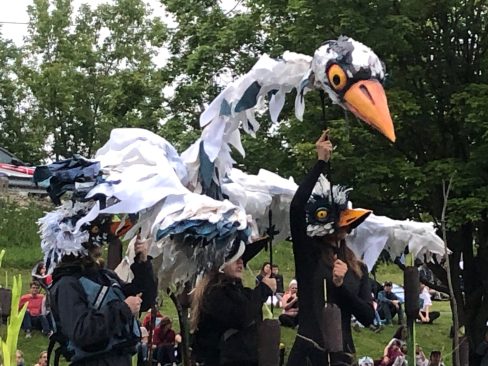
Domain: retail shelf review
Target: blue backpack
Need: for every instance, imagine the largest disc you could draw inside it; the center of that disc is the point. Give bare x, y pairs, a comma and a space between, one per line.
98, 296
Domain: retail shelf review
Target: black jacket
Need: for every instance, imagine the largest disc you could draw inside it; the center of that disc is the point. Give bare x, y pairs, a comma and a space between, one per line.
227, 328
353, 297
90, 329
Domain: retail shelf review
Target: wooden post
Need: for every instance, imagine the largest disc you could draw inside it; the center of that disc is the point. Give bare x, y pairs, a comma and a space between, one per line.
412, 291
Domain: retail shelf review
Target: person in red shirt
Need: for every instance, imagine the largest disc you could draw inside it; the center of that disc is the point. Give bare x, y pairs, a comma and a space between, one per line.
34, 316
165, 341
146, 322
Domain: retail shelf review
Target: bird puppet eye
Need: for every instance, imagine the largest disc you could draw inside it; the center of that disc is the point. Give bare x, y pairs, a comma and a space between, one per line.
337, 77
321, 214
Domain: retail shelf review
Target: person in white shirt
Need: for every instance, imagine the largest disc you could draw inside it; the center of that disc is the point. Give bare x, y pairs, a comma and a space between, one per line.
425, 315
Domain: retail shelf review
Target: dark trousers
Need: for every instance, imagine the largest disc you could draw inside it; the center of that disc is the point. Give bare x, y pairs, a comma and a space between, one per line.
433, 315
304, 353
165, 354
288, 320
37, 322
388, 311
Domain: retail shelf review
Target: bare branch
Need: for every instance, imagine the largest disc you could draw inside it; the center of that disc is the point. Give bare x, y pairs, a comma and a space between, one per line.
445, 192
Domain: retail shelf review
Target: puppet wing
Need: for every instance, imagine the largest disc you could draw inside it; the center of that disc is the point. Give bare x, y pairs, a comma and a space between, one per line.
378, 233
140, 173
258, 194
209, 157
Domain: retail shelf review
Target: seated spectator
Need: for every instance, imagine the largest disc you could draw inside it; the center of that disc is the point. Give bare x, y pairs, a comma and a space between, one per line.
389, 304
35, 316
42, 360
279, 280
377, 325
39, 274
435, 359
366, 361
19, 358
420, 358
146, 321
265, 272
289, 318
165, 342
393, 355
425, 315
142, 348
482, 349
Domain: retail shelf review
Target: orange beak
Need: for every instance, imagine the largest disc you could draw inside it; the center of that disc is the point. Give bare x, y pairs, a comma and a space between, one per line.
353, 217
367, 100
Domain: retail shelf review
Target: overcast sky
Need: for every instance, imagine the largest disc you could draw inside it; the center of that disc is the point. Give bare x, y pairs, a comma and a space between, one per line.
16, 11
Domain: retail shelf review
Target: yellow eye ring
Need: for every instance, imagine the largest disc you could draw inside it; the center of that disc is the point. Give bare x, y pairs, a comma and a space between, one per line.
337, 77
321, 214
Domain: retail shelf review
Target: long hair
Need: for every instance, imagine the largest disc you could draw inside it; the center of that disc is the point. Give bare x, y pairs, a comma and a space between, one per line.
262, 273
208, 280
347, 255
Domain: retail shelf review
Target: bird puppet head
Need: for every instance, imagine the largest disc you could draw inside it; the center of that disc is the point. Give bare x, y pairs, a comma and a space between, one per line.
352, 75
327, 210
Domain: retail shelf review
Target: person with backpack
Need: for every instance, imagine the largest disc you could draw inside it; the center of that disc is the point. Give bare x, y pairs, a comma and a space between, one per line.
94, 312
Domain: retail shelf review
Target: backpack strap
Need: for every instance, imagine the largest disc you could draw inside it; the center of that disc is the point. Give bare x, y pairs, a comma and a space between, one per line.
97, 303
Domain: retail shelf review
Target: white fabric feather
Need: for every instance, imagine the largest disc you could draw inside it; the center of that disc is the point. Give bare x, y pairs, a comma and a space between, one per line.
59, 236
378, 233
257, 194
221, 129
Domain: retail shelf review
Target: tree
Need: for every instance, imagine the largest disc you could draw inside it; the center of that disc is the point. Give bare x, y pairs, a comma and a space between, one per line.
436, 58
92, 72
17, 133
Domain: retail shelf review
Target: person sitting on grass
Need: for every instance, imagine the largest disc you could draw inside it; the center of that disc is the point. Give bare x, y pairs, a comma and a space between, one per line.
165, 342
42, 361
394, 355
35, 316
420, 358
426, 316
289, 318
482, 349
142, 349
435, 359
19, 358
389, 304
275, 273
39, 273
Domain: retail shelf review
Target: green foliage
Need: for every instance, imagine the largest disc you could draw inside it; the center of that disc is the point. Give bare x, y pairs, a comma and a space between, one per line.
90, 72
9, 346
19, 232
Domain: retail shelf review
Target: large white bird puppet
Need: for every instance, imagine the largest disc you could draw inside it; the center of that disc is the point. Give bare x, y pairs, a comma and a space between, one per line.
140, 176
348, 71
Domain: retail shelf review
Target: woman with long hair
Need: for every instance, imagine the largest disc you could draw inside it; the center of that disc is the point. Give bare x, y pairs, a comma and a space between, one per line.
39, 273
225, 316
320, 220
264, 272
